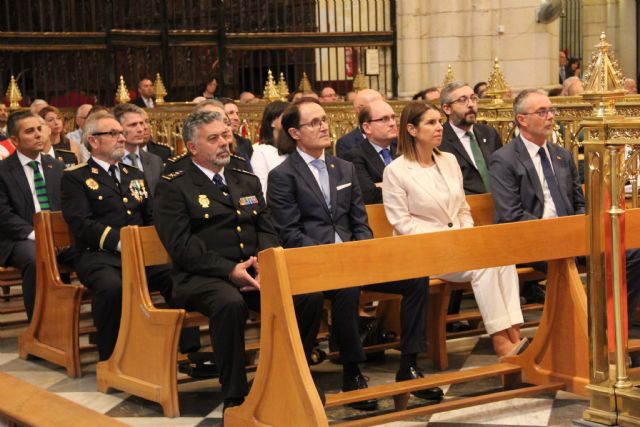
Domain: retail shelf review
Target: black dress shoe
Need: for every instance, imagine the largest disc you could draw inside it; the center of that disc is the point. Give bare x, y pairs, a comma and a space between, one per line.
358, 382
458, 327
413, 373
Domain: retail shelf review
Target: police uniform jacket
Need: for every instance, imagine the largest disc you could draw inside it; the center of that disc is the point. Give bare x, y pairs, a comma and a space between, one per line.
181, 161
207, 233
67, 157
159, 149
96, 209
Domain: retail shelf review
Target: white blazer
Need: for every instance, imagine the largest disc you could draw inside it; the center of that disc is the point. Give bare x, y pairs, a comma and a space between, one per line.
411, 204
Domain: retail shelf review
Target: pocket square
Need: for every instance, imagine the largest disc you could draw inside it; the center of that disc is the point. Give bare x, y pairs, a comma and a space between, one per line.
341, 186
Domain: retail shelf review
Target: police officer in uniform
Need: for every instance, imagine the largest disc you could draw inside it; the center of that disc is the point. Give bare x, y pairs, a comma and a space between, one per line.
213, 221
98, 199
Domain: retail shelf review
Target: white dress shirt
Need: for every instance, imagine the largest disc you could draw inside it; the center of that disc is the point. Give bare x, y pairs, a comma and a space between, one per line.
137, 163
532, 149
210, 174
465, 140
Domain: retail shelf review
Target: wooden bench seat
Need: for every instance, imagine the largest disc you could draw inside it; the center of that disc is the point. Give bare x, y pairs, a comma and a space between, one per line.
54, 332
283, 392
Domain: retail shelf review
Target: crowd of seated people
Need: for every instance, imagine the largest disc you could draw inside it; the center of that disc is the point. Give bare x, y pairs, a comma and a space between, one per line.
225, 199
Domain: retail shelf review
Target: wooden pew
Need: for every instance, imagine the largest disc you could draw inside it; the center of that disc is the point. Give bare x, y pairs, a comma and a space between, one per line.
440, 290
283, 392
144, 361
23, 404
54, 331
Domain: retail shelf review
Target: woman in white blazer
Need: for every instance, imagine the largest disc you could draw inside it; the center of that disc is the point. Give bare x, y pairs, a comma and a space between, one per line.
423, 192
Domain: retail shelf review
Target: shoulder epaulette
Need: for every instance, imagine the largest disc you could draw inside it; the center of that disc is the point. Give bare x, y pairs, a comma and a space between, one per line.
164, 144
74, 167
173, 175
243, 171
238, 157
175, 159
127, 165
64, 151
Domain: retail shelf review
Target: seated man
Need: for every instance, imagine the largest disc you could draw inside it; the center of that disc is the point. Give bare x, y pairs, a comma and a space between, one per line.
98, 199
353, 138
29, 183
315, 199
213, 221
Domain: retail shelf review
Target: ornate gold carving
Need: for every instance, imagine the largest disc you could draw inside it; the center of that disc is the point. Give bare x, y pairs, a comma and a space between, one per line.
283, 88
159, 89
270, 90
13, 94
496, 85
122, 94
359, 81
448, 77
305, 84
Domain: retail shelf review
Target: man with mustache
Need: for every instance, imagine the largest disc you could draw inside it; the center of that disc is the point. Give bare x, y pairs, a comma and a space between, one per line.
98, 199
213, 221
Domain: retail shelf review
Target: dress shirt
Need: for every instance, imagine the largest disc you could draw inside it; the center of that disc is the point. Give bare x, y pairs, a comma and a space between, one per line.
104, 165
532, 149
127, 160
316, 174
466, 141
148, 102
379, 149
210, 174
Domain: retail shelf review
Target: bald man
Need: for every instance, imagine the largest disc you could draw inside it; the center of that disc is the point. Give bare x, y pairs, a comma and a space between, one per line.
356, 136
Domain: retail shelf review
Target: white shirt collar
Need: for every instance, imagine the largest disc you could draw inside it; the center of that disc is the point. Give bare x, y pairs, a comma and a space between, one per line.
377, 147
460, 132
51, 152
209, 173
308, 158
104, 165
533, 148
24, 160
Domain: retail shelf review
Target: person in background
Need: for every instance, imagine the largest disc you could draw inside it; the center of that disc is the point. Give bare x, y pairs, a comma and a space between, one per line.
146, 98
242, 146
328, 94
480, 89
55, 122
37, 105
356, 136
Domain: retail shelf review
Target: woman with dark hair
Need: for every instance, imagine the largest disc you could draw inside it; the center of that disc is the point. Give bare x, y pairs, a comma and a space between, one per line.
266, 155
423, 193
574, 67
210, 88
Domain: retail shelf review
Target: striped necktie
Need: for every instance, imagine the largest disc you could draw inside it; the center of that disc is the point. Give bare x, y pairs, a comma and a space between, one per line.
40, 187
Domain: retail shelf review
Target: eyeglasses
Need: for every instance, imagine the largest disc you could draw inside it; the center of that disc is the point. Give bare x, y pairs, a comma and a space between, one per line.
465, 99
542, 113
112, 133
384, 119
316, 123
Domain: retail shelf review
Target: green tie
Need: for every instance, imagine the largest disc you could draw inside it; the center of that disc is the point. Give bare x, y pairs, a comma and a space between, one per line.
480, 163
40, 187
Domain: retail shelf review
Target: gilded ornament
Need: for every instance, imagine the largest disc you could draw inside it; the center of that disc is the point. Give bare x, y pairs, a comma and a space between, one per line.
204, 201
92, 184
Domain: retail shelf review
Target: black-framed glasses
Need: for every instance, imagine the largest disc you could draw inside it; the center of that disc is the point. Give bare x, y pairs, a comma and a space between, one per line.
465, 99
543, 112
112, 133
316, 123
384, 119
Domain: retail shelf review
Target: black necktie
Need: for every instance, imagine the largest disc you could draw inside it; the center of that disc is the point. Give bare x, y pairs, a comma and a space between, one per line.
552, 183
217, 180
112, 171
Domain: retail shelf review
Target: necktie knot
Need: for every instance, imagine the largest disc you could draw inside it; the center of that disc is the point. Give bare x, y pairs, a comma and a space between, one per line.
133, 157
34, 165
217, 179
113, 171
318, 164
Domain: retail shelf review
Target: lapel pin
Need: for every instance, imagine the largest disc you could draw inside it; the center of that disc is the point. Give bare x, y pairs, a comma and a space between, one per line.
94, 170
332, 165
49, 166
558, 157
484, 140
125, 170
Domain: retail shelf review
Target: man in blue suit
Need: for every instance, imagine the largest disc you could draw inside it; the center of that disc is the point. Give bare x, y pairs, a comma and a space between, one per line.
315, 199
533, 179
354, 138
29, 183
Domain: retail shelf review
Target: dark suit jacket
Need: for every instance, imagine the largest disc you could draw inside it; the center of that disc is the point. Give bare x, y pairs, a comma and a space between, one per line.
152, 167
369, 168
16, 200
349, 141
205, 233
516, 189
67, 157
244, 148
160, 150
489, 141
300, 212
140, 103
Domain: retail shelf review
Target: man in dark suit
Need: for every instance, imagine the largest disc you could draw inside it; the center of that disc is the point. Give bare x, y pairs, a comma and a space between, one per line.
161, 150
213, 221
378, 149
356, 136
533, 179
132, 120
472, 143
315, 199
29, 183
243, 146
145, 97
98, 199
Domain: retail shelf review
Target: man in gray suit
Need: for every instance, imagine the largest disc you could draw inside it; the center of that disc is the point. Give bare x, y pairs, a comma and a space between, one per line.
533, 179
132, 118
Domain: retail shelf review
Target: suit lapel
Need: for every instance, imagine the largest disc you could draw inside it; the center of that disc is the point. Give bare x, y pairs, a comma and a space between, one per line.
451, 136
21, 179
102, 176
52, 181
427, 186
333, 181
525, 159
373, 157
207, 187
234, 187
302, 169
482, 138
559, 170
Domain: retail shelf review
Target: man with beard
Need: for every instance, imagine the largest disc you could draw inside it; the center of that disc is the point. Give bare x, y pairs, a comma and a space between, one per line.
472, 143
315, 199
213, 221
98, 199
378, 123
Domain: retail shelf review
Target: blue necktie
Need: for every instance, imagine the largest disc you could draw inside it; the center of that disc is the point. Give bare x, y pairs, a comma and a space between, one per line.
324, 180
386, 156
550, 177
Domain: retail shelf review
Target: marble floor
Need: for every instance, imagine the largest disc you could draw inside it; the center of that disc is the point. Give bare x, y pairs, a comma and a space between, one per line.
201, 401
